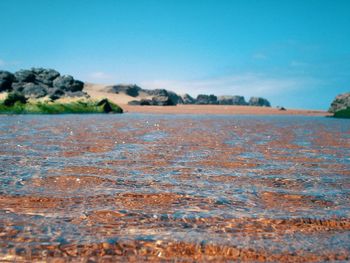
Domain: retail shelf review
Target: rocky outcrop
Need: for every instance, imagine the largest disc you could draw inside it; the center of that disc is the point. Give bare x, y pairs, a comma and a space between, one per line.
206, 99
155, 101
232, 100
159, 97
341, 102
129, 89
187, 99
40, 82
258, 101
163, 97
175, 99
107, 106
6, 79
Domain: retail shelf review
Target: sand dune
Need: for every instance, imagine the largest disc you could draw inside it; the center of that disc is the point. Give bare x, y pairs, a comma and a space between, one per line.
98, 91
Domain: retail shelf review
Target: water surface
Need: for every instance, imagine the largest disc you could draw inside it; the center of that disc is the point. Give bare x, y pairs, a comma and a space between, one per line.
147, 187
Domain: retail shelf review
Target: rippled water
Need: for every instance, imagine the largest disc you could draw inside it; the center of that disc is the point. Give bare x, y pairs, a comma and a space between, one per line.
147, 187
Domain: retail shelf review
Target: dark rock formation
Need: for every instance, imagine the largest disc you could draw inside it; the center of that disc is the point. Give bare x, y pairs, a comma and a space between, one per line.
106, 105
162, 101
232, 100
159, 97
6, 79
55, 93
341, 102
68, 83
134, 102
225, 100
257, 101
187, 99
239, 100
206, 99
23, 76
145, 102
32, 90
163, 97
281, 108
45, 76
155, 101
40, 82
129, 89
175, 99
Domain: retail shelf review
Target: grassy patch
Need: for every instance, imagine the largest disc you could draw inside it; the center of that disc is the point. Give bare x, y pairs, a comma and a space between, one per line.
342, 113
39, 107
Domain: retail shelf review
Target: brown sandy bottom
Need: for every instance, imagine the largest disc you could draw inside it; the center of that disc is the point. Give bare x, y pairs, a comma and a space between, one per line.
141, 187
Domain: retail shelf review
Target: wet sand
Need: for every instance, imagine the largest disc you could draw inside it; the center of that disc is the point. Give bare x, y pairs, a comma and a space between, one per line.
186, 188
220, 110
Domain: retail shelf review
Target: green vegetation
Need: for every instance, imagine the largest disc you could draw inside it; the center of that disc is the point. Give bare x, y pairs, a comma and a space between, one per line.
342, 113
15, 104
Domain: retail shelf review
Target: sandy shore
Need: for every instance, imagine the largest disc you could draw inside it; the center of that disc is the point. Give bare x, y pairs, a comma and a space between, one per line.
98, 91
219, 109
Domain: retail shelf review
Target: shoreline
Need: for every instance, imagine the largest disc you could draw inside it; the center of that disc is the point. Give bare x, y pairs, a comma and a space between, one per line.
220, 110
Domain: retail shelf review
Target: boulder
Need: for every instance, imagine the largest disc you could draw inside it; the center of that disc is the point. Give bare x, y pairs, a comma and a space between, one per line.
239, 100
77, 86
55, 93
232, 100
32, 90
107, 107
162, 97
129, 89
145, 102
134, 102
156, 92
23, 76
155, 101
67, 83
176, 99
45, 76
18, 86
341, 102
258, 101
39, 82
187, 99
206, 99
64, 82
6, 79
162, 101
225, 100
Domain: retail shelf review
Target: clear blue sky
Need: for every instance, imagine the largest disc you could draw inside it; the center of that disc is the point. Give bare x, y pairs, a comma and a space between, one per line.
295, 53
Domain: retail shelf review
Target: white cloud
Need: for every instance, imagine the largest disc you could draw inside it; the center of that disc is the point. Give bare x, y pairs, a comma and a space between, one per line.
4, 63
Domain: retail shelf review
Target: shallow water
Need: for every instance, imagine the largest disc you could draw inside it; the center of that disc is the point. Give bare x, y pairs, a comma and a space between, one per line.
153, 187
